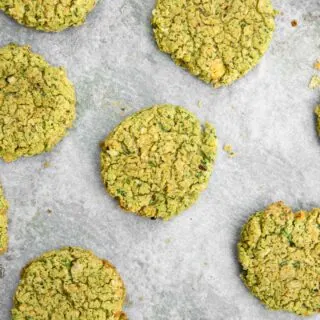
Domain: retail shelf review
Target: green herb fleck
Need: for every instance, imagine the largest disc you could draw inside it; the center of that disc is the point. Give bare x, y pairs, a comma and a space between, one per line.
121, 192
283, 263
152, 164
288, 235
67, 263
163, 127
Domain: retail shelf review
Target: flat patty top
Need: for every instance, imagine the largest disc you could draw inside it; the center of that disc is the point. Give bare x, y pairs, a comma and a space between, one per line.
48, 15
37, 103
157, 161
217, 40
70, 283
3, 223
279, 251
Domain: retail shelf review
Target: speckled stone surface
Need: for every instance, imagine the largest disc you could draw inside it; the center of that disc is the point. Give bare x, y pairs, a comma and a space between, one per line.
185, 269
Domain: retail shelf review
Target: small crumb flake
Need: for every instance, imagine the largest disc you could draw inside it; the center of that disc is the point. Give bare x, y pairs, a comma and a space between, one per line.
199, 104
294, 23
46, 164
228, 149
11, 79
314, 82
122, 106
317, 64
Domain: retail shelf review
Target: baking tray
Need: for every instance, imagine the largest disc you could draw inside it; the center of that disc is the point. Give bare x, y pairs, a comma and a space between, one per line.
184, 269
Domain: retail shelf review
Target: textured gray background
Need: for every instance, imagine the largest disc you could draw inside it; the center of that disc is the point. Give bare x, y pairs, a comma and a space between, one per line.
185, 268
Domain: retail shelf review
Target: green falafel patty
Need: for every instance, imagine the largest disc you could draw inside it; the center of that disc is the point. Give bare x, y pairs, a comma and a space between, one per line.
218, 41
279, 251
3, 223
37, 103
70, 283
48, 15
157, 161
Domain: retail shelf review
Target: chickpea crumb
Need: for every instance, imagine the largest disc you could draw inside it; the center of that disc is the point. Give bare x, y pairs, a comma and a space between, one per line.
229, 150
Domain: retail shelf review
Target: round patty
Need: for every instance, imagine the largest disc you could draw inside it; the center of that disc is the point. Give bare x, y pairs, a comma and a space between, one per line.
48, 15
37, 103
279, 251
70, 283
157, 161
218, 41
3, 223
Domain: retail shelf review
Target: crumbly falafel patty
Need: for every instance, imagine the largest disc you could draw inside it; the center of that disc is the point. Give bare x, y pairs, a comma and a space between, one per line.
48, 15
70, 283
37, 103
218, 41
279, 251
157, 161
3, 223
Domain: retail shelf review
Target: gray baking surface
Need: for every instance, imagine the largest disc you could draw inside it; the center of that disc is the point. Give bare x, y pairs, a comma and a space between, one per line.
185, 268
